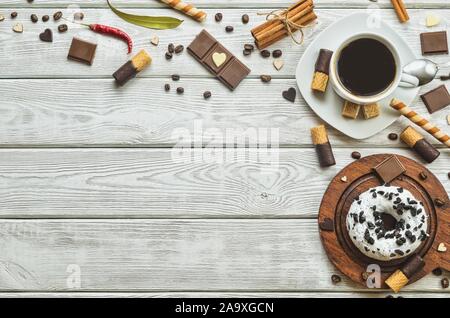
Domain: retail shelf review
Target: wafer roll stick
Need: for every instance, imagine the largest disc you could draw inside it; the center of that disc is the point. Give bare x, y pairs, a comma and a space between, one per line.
323, 147
420, 145
401, 277
131, 68
321, 71
187, 9
420, 121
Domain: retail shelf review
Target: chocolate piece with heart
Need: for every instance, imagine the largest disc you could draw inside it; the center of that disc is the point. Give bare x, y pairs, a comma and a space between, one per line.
327, 225
46, 36
290, 94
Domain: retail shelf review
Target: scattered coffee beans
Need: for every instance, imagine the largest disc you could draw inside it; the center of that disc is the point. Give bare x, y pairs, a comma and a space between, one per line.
175, 77
335, 279
249, 47
423, 175
34, 18
229, 28
207, 95
393, 136
247, 52
57, 15
277, 53
444, 283
265, 53
245, 18
171, 48
78, 16
356, 155
266, 78
168, 56
167, 87
437, 271
45, 18
62, 28
179, 49
218, 17
180, 90
14, 15
439, 202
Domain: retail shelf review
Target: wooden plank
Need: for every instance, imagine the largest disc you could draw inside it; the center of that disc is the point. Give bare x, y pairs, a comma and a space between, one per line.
169, 255
95, 113
149, 183
222, 3
25, 56
359, 294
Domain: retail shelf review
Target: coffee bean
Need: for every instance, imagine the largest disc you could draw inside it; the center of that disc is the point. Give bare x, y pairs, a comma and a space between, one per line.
247, 52
439, 202
207, 95
249, 47
179, 49
229, 28
180, 90
34, 18
218, 17
277, 53
356, 155
171, 48
393, 136
57, 15
444, 283
45, 18
63, 28
14, 15
265, 53
437, 271
168, 56
423, 175
167, 87
448, 175
335, 279
30, 1
245, 18
175, 77
266, 78
78, 16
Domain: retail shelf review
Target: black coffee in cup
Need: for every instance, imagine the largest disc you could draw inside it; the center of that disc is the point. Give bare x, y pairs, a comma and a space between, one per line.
366, 67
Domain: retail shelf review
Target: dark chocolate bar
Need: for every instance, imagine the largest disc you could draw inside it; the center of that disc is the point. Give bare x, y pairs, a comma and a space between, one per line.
82, 51
436, 99
218, 60
434, 42
390, 169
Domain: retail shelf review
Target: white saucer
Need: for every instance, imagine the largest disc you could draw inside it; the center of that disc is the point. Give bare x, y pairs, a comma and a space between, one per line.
328, 106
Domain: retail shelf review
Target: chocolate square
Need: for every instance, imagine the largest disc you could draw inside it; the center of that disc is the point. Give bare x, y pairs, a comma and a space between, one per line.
82, 51
208, 60
390, 169
234, 73
201, 45
434, 42
436, 99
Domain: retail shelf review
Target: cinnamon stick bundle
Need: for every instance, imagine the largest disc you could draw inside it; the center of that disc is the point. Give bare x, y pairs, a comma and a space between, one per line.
274, 30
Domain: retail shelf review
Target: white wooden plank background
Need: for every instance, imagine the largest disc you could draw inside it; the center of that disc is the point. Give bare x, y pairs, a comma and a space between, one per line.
135, 221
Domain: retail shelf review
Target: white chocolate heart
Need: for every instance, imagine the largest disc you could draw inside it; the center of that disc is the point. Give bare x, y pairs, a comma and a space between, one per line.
2, 17
219, 58
278, 64
432, 20
18, 28
155, 40
442, 248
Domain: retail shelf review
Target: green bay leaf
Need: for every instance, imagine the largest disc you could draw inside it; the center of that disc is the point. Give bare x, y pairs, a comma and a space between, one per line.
151, 22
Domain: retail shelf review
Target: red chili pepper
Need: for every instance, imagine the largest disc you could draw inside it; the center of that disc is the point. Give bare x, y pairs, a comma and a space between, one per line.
105, 29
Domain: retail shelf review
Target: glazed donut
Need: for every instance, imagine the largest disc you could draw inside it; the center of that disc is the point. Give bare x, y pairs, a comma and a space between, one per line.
368, 228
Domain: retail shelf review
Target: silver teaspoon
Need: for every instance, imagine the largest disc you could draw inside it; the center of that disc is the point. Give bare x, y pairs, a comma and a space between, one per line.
420, 72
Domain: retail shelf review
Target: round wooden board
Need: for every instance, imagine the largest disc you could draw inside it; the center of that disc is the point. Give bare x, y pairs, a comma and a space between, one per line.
360, 177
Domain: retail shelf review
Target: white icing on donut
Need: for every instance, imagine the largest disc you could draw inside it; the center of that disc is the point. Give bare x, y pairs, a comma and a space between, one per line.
365, 226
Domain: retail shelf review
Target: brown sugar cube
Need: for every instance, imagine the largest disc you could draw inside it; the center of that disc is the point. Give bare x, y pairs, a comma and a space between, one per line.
371, 111
350, 110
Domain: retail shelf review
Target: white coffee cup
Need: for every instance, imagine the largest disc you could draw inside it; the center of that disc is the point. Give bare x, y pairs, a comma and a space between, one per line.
342, 91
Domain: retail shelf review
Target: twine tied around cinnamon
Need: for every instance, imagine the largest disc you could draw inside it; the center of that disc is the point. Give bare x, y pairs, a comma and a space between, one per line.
282, 16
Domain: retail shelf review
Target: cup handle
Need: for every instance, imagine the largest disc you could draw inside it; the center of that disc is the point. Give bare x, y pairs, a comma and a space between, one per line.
408, 81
